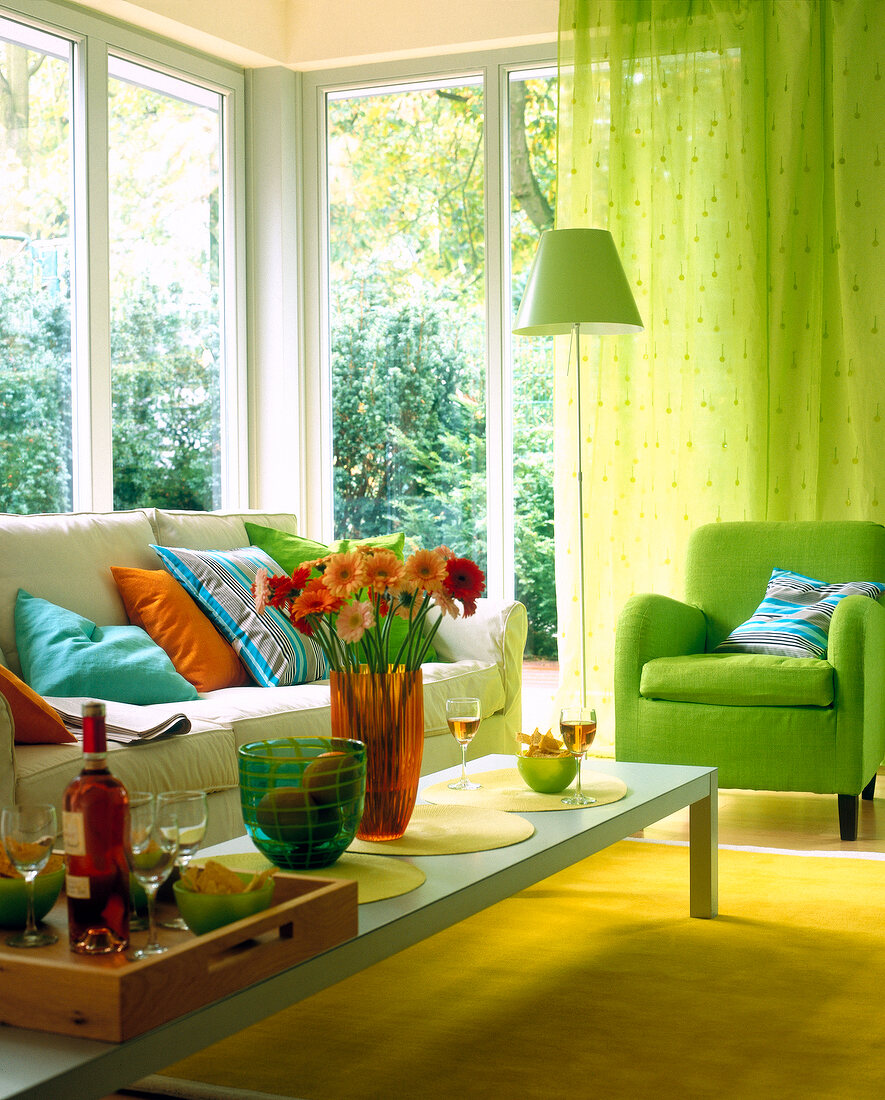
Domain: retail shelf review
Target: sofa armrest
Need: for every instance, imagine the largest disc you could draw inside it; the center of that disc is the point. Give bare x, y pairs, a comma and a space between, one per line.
856, 650
7, 755
496, 634
650, 626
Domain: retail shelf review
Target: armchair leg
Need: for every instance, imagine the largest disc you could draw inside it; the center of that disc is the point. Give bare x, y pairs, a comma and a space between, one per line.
847, 816
869, 790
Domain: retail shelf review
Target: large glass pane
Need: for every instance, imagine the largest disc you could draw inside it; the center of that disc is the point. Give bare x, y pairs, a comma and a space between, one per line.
164, 157
36, 215
532, 116
407, 254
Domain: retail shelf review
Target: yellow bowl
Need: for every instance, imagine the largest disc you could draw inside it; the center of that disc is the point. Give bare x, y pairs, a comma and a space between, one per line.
205, 912
547, 774
14, 899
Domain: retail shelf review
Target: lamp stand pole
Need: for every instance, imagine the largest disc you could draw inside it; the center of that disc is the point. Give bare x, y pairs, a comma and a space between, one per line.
576, 328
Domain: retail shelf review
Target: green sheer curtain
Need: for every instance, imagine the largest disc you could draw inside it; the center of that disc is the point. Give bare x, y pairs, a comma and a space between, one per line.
734, 149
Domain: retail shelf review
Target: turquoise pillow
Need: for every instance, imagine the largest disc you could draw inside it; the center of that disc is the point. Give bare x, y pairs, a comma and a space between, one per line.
290, 551
63, 653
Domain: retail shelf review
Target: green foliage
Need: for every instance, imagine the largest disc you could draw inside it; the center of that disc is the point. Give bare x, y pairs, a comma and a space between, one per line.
409, 421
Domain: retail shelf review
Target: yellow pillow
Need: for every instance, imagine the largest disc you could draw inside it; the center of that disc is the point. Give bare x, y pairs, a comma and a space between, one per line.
156, 602
34, 720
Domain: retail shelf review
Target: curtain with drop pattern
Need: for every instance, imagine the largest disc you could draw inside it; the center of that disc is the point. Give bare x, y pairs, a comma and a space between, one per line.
734, 149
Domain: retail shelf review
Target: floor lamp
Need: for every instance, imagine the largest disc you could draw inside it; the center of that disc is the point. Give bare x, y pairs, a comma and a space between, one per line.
577, 285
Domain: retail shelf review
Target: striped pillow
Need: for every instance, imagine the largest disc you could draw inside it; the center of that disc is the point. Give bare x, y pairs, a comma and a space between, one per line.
270, 647
794, 618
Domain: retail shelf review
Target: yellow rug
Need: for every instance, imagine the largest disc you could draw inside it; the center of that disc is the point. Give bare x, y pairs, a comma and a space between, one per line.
597, 983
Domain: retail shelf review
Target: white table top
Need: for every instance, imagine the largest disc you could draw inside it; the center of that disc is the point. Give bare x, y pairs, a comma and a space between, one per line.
38, 1065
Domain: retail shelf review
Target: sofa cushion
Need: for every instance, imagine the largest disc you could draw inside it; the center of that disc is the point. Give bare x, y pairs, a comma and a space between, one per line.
212, 530
270, 647
63, 653
794, 618
739, 680
291, 551
34, 721
157, 603
294, 550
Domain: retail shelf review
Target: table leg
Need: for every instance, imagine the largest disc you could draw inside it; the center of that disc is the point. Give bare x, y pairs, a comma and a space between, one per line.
703, 841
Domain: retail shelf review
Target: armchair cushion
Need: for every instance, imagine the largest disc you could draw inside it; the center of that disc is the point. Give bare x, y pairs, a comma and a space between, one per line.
739, 680
793, 619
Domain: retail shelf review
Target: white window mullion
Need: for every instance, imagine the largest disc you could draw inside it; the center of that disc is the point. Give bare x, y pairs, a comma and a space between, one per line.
93, 443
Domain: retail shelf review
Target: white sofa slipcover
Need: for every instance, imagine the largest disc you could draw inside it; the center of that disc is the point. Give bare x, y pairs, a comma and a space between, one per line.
67, 558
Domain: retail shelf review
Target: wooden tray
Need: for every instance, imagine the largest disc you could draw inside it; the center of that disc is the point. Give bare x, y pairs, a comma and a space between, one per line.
113, 998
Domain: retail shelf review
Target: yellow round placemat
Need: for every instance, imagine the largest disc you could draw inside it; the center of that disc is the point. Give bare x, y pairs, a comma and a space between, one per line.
505, 789
447, 830
375, 878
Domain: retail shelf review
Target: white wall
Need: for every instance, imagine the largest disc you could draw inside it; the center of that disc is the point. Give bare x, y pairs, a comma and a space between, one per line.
315, 34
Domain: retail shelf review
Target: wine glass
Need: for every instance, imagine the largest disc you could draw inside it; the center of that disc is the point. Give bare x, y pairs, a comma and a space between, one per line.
577, 728
151, 848
463, 717
28, 835
192, 810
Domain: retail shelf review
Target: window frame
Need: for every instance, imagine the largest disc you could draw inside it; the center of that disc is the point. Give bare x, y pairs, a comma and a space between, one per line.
95, 38
493, 67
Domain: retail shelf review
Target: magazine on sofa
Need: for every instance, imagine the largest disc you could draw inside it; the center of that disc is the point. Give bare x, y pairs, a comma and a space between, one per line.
125, 723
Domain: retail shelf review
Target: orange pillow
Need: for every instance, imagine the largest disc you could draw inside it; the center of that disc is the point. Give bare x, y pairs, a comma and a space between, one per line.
34, 720
156, 602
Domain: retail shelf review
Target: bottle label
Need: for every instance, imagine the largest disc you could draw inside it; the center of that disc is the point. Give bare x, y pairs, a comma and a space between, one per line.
74, 833
77, 886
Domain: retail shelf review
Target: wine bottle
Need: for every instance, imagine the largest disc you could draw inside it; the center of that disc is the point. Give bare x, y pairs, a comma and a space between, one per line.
94, 819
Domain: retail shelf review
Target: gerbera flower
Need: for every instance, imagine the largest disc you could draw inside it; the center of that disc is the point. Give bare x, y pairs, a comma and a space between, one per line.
345, 573
316, 599
425, 569
382, 570
464, 579
354, 620
261, 590
446, 604
445, 551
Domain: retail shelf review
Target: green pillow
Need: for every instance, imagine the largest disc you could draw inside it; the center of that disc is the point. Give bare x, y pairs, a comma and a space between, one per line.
293, 550
64, 654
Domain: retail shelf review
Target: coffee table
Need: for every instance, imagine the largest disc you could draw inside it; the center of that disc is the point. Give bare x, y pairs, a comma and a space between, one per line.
39, 1066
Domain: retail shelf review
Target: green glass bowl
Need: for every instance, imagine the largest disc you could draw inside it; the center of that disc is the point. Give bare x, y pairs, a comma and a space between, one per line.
547, 775
204, 913
302, 797
14, 899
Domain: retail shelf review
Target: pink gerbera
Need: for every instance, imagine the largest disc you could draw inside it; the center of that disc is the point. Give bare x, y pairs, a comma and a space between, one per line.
354, 620
446, 604
261, 590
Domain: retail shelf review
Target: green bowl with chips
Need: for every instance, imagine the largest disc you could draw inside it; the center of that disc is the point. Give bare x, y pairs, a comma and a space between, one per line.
547, 774
14, 897
204, 913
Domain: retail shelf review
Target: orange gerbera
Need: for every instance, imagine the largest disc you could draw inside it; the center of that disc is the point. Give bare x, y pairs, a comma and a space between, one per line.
383, 570
425, 569
316, 599
345, 573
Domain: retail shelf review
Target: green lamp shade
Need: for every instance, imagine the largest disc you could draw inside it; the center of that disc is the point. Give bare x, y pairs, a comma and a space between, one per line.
577, 279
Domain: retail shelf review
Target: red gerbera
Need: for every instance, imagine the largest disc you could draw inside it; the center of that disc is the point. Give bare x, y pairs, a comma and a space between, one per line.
464, 579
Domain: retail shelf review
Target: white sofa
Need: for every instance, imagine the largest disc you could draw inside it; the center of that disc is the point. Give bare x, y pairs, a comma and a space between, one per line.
67, 560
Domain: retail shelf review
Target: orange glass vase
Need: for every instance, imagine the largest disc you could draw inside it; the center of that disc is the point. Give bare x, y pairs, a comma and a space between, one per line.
384, 710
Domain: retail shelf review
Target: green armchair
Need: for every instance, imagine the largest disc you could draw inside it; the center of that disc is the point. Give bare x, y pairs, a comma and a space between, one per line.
766, 722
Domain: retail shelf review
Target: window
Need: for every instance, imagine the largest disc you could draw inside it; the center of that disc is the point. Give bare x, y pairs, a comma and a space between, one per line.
36, 231
121, 216
164, 157
433, 192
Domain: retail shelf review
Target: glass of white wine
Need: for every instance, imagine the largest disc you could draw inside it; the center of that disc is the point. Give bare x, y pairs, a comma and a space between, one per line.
463, 717
192, 811
151, 848
577, 728
28, 835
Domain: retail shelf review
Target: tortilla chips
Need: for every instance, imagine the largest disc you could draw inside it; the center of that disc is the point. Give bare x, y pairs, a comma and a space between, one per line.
214, 878
7, 868
541, 744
